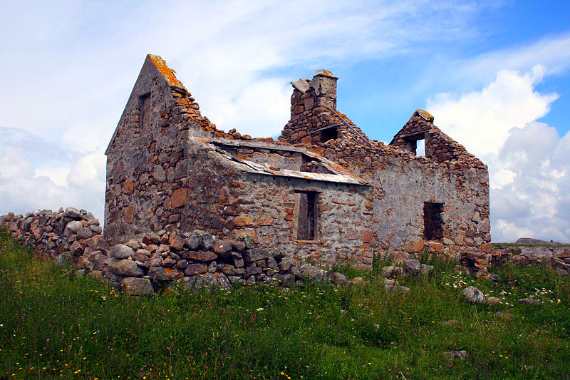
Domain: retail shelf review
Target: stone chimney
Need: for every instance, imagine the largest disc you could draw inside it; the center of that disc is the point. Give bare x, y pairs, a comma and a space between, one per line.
324, 85
308, 94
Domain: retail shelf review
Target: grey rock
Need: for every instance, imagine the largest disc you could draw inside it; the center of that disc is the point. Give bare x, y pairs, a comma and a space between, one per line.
412, 266
209, 280
392, 271
459, 354
338, 278
194, 242
238, 260
84, 233
63, 259
73, 226
208, 241
312, 273
134, 244
285, 264
121, 251
72, 213
473, 295
425, 269
126, 268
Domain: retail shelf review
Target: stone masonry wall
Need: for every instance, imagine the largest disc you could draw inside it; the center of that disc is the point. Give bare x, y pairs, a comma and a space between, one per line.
268, 211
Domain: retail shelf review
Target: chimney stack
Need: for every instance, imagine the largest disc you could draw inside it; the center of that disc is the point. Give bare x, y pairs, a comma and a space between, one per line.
317, 92
324, 85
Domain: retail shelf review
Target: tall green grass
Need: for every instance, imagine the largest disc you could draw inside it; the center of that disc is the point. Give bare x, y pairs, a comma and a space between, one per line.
56, 325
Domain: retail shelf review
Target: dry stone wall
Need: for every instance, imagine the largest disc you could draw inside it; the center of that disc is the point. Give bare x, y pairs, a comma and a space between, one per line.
555, 256
152, 261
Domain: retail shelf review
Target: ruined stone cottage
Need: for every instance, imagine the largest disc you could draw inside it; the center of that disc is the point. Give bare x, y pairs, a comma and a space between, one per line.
323, 192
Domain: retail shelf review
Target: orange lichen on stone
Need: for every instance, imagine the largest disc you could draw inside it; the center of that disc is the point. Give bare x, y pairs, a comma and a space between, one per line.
166, 71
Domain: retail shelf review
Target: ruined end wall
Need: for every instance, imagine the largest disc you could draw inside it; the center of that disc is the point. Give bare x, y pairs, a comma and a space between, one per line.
153, 167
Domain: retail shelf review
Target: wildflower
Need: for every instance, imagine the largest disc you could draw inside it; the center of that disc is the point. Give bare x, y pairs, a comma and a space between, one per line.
259, 309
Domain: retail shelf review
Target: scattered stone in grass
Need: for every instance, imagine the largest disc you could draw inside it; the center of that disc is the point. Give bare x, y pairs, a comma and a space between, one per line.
392, 271
504, 315
63, 259
425, 269
530, 301
338, 278
456, 354
391, 286
473, 295
451, 322
357, 281
412, 266
493, 300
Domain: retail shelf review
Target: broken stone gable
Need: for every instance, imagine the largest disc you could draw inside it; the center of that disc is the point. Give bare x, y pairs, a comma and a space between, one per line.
323, 192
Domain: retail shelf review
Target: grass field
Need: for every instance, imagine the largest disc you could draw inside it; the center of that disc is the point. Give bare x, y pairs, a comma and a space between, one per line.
55, 325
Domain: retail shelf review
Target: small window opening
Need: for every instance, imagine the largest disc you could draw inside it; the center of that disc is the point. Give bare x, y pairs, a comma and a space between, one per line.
329, 134
145, 113
416, 144
433, 221
307, 223
421, 148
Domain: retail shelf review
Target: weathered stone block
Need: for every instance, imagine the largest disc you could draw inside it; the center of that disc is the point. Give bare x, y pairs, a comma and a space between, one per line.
136, 286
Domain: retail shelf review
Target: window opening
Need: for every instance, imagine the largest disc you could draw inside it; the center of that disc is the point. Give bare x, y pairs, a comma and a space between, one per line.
433, 221
421, 148
416, 144
144, 104
307, 222
329, 134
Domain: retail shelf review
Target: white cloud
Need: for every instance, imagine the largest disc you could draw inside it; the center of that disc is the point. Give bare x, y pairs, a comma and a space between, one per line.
552, 52
529, 162
35, 174
482, 119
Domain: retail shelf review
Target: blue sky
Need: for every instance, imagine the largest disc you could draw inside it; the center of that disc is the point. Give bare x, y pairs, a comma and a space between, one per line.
495, 74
